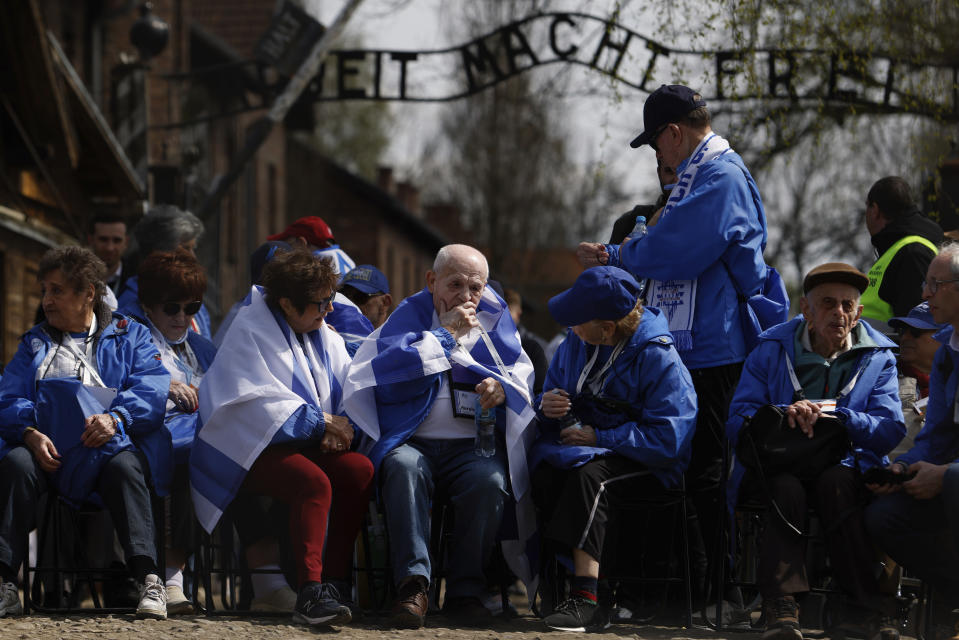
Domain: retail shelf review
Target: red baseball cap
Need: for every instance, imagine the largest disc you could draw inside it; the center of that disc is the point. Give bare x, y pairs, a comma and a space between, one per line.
311, 228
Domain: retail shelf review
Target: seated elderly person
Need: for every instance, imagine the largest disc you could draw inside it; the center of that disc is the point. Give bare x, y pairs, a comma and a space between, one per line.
165, 228
273, 425
415, 384
824, 362
171, 286
917, 350
916, 521
81, 412
616, 420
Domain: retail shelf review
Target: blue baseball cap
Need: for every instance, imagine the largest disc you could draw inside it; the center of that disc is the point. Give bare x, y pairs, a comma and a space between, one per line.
918, 317
263, 254
667, 104
600, 293
366, 278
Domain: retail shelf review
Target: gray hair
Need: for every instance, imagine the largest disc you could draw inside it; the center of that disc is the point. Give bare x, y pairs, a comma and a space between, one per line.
452, 252
950, 250
164, 228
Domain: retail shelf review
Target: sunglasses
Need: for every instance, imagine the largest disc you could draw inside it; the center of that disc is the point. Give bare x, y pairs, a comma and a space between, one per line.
325, 302
913, 331
658, 132
189, 308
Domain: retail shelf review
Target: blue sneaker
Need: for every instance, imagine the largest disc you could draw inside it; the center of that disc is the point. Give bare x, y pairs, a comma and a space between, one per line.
319, 604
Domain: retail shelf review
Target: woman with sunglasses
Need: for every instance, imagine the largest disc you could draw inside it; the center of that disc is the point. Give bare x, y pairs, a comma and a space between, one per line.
274, 425
171, 286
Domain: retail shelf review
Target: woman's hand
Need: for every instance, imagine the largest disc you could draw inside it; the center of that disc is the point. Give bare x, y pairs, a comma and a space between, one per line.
42, 449
98, 430
555, 403
339, 433
585, 437
184, 396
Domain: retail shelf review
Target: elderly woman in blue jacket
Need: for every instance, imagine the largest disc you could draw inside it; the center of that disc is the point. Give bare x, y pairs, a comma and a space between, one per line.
81, 410
822, 362
616, 419
170, 291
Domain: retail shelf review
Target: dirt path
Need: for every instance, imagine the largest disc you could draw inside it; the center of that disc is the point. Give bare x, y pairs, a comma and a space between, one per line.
124, 627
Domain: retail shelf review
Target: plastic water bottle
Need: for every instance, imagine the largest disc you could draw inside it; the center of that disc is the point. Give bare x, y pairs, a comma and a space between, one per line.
569, 420
639, 229
485, 444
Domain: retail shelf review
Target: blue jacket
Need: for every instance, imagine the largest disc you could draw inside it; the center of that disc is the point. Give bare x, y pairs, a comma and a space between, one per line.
648, 375
126, 360
129, 305
938, 442
182, 426
871, 412
720, 219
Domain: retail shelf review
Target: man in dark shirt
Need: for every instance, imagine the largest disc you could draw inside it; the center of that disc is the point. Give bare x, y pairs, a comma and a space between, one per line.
906, 242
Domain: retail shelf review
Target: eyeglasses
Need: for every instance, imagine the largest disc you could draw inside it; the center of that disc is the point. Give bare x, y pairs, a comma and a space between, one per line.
655, 136
934, 284
189, 308
915, 332
325, 302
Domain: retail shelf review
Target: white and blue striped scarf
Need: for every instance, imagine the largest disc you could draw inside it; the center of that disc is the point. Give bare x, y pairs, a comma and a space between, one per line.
260, 376
677, 298
405, 349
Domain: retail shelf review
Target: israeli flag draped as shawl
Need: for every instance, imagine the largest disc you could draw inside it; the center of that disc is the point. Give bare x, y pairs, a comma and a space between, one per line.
405, 349
260, 376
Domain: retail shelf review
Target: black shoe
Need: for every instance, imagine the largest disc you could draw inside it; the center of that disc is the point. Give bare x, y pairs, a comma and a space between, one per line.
319, 604
344, 596
577, 613
120, 591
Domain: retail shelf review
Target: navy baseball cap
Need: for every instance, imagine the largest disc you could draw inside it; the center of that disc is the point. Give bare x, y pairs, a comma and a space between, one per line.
366, 278
600, 293
263, 254
918, 317
667, 104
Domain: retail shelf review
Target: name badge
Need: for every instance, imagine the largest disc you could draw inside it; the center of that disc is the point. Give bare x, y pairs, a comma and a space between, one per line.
105, 395
464, 400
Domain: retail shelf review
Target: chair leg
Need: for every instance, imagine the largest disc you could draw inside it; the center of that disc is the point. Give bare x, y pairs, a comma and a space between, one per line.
687, 581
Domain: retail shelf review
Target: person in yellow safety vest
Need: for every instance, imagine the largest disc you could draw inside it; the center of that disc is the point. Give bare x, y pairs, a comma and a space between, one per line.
906, 241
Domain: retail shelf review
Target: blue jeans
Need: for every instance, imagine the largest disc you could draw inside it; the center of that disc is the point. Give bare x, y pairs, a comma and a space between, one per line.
922, 535
409, 476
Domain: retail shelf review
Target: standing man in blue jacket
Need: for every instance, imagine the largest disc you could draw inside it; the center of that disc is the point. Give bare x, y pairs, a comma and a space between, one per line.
707, 242
618, 374
917, 521
823, 362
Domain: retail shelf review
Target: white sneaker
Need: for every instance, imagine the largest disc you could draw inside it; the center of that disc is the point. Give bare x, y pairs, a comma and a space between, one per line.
281, 600
177, 603
9, 600
152, 599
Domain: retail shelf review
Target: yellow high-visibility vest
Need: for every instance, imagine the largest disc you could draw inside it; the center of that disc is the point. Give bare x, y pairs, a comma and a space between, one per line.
872, 305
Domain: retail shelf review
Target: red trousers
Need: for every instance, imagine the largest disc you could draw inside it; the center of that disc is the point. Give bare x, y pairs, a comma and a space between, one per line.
315, 485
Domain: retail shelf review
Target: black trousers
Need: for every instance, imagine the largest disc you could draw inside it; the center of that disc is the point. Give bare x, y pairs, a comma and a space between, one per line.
839, 498
122, 485
714, 391
576, 504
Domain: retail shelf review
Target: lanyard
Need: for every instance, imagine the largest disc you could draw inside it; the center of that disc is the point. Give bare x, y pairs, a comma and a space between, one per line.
597, 380
797, 388
492, 349
83, 360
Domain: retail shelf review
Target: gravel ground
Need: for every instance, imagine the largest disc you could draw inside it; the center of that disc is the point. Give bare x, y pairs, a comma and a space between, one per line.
124, 627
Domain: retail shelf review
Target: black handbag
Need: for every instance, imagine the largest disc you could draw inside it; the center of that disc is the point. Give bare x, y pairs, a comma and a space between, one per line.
769, 446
